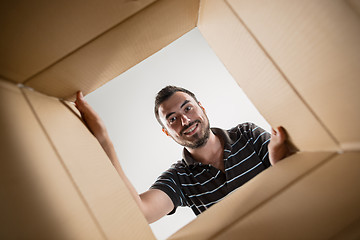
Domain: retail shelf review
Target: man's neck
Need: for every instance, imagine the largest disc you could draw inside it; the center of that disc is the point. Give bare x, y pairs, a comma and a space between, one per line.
211, 153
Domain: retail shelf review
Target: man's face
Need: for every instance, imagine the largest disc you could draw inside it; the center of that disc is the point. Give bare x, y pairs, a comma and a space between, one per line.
184, 120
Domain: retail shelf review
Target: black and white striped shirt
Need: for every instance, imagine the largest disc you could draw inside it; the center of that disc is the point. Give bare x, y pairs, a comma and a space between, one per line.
199, 186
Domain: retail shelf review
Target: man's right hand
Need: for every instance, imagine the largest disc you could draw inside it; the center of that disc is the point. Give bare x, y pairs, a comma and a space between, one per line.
153, 203
91, 118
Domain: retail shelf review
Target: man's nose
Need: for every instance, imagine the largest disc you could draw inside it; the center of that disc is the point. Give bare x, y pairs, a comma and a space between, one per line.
185, 120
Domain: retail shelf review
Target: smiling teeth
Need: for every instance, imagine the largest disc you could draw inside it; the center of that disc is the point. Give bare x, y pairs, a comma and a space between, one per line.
191, 129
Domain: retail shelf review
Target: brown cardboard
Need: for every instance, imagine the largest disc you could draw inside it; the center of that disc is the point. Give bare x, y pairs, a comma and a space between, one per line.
51, 30
252, 196
350, 232
319, 206
321, 203
117, 50
38, 197
355, 5
296, 60
98, 183
259, 76
320, 59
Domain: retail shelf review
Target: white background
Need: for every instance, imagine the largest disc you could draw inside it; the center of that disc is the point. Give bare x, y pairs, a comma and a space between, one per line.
126, 105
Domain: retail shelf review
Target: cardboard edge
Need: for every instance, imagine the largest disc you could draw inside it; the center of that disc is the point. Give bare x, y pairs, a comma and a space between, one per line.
125, 12
349, 232
102, 72
284, 76
347, 224
95, 220
195, 230
299, 142
19, 149
98, 211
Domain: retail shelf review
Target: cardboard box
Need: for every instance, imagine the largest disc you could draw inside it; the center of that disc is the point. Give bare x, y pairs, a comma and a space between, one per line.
298, 61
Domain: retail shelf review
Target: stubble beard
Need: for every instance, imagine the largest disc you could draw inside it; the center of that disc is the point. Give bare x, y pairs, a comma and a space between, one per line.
201, 138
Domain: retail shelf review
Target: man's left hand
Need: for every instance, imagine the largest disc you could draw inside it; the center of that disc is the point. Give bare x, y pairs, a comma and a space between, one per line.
277, 147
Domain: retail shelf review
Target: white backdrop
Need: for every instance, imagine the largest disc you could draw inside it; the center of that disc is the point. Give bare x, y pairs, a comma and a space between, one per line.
126, 104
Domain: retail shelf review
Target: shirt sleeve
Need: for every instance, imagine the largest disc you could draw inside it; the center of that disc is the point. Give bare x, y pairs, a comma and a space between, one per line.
260, 140
168, 182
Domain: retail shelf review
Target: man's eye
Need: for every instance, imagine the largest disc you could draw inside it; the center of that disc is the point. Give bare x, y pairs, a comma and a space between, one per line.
188, 108
171, 120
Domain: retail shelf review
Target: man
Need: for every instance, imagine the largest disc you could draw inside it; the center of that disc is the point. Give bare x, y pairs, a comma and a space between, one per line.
215, 163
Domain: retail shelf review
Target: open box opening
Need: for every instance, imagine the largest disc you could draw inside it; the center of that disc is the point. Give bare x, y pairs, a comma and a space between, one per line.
297, 62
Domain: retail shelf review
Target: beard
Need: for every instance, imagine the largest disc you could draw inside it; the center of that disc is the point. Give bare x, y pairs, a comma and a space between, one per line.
199, 139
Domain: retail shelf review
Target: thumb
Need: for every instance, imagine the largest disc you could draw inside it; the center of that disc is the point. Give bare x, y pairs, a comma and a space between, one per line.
79, 95
281, 133
80, 101
273, 132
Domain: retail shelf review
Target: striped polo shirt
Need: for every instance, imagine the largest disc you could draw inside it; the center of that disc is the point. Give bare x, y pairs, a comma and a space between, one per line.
199, 186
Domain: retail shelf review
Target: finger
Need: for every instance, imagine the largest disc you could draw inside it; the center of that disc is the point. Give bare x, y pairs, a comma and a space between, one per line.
79, 96
280, 130
80, 101
281, 133
273, 132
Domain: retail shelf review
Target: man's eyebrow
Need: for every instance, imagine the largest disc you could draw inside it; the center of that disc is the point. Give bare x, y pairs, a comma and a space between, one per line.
183, 104
168, 115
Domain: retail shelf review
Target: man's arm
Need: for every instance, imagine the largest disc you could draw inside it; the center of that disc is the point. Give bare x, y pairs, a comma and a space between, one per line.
153, 203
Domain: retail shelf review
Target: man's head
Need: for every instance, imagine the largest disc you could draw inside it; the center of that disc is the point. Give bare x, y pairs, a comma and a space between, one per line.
182, 117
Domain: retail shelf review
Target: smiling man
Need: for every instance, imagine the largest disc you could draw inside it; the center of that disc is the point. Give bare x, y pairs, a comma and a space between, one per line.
181, 118
215, 161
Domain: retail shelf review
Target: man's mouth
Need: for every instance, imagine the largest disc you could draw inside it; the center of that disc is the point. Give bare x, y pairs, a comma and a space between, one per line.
191, 130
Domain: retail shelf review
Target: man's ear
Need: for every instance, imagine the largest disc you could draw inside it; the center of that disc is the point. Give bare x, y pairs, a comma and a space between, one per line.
165, 131
201, 106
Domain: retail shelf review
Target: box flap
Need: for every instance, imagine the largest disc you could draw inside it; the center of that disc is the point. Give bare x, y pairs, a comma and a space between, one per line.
324, 204
117, 50
39, 199
96, 179
316, 44
35, 35
259, 76
252, 195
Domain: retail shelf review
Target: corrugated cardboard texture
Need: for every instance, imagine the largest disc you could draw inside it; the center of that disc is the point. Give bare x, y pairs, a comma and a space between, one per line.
118, 49
321, 202
316, 44
252, 196
35, 35
319, 206
260, 77
289, 59
355, 5
296, 60
38, 197
90, 169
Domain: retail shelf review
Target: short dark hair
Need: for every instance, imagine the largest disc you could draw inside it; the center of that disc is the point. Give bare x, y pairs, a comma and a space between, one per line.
164, 94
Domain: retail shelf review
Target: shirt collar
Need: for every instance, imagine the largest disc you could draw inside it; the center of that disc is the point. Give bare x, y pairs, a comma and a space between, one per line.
226, 137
